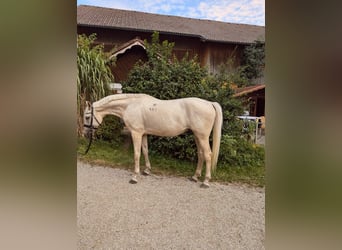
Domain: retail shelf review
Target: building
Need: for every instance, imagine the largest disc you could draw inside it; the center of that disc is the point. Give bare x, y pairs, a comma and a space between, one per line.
253, 99
123, 32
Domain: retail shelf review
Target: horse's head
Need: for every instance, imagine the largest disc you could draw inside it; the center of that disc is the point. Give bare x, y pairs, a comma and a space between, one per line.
90, 121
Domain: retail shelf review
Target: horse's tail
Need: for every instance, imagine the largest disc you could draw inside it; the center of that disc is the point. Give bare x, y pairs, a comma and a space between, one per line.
216, 135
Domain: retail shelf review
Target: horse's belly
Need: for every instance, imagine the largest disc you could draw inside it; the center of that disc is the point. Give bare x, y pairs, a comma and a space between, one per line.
165, 125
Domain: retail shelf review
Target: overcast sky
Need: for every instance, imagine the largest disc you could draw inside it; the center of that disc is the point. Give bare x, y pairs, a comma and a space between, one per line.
234, 11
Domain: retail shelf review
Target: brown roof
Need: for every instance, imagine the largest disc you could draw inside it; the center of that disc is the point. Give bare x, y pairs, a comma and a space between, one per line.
249, 89
141, 21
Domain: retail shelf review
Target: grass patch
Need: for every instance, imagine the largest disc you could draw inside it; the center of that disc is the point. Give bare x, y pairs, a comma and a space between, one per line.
107, 154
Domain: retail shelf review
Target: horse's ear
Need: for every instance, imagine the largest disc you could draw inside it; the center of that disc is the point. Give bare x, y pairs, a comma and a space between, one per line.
88, 104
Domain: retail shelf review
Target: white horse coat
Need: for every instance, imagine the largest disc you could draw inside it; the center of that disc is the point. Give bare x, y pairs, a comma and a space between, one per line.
144, 115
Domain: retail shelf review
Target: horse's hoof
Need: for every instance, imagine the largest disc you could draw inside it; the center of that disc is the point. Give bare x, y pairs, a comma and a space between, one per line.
146, 172
193, 178
133, 181
205, 185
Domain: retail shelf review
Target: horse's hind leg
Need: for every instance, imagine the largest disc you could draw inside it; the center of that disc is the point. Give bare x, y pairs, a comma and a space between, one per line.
204, 143
136, 137
200, 157
144, 147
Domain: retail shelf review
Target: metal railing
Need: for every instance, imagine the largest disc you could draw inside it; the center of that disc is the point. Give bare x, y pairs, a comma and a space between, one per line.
255, 126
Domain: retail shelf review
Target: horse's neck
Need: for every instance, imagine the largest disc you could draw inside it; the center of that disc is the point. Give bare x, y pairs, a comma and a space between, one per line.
113, 107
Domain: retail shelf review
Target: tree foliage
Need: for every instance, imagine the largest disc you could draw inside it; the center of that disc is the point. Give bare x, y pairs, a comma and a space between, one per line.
254, 60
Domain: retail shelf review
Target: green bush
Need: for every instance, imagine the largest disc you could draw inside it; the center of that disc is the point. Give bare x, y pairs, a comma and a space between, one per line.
236, 151
110, 130
181, 147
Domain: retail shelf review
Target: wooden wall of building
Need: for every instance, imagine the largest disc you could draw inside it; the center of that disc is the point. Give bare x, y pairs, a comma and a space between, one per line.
210, 54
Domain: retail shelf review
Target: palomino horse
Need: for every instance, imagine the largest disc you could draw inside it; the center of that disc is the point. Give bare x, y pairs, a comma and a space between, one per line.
144, 115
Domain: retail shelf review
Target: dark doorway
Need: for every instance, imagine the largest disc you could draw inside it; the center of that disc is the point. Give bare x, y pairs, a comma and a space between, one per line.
125, 62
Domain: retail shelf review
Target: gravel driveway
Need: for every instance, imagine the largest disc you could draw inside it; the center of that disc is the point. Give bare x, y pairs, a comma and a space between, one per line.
165, 212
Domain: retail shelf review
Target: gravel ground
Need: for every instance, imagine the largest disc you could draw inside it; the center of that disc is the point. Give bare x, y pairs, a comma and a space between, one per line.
165, 212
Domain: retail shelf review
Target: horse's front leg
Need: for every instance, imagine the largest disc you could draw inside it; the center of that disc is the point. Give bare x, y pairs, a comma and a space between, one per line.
144, 147
136, 137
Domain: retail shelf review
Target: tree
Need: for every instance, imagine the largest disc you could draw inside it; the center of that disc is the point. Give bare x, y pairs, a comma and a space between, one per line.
93, 73
253, 60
